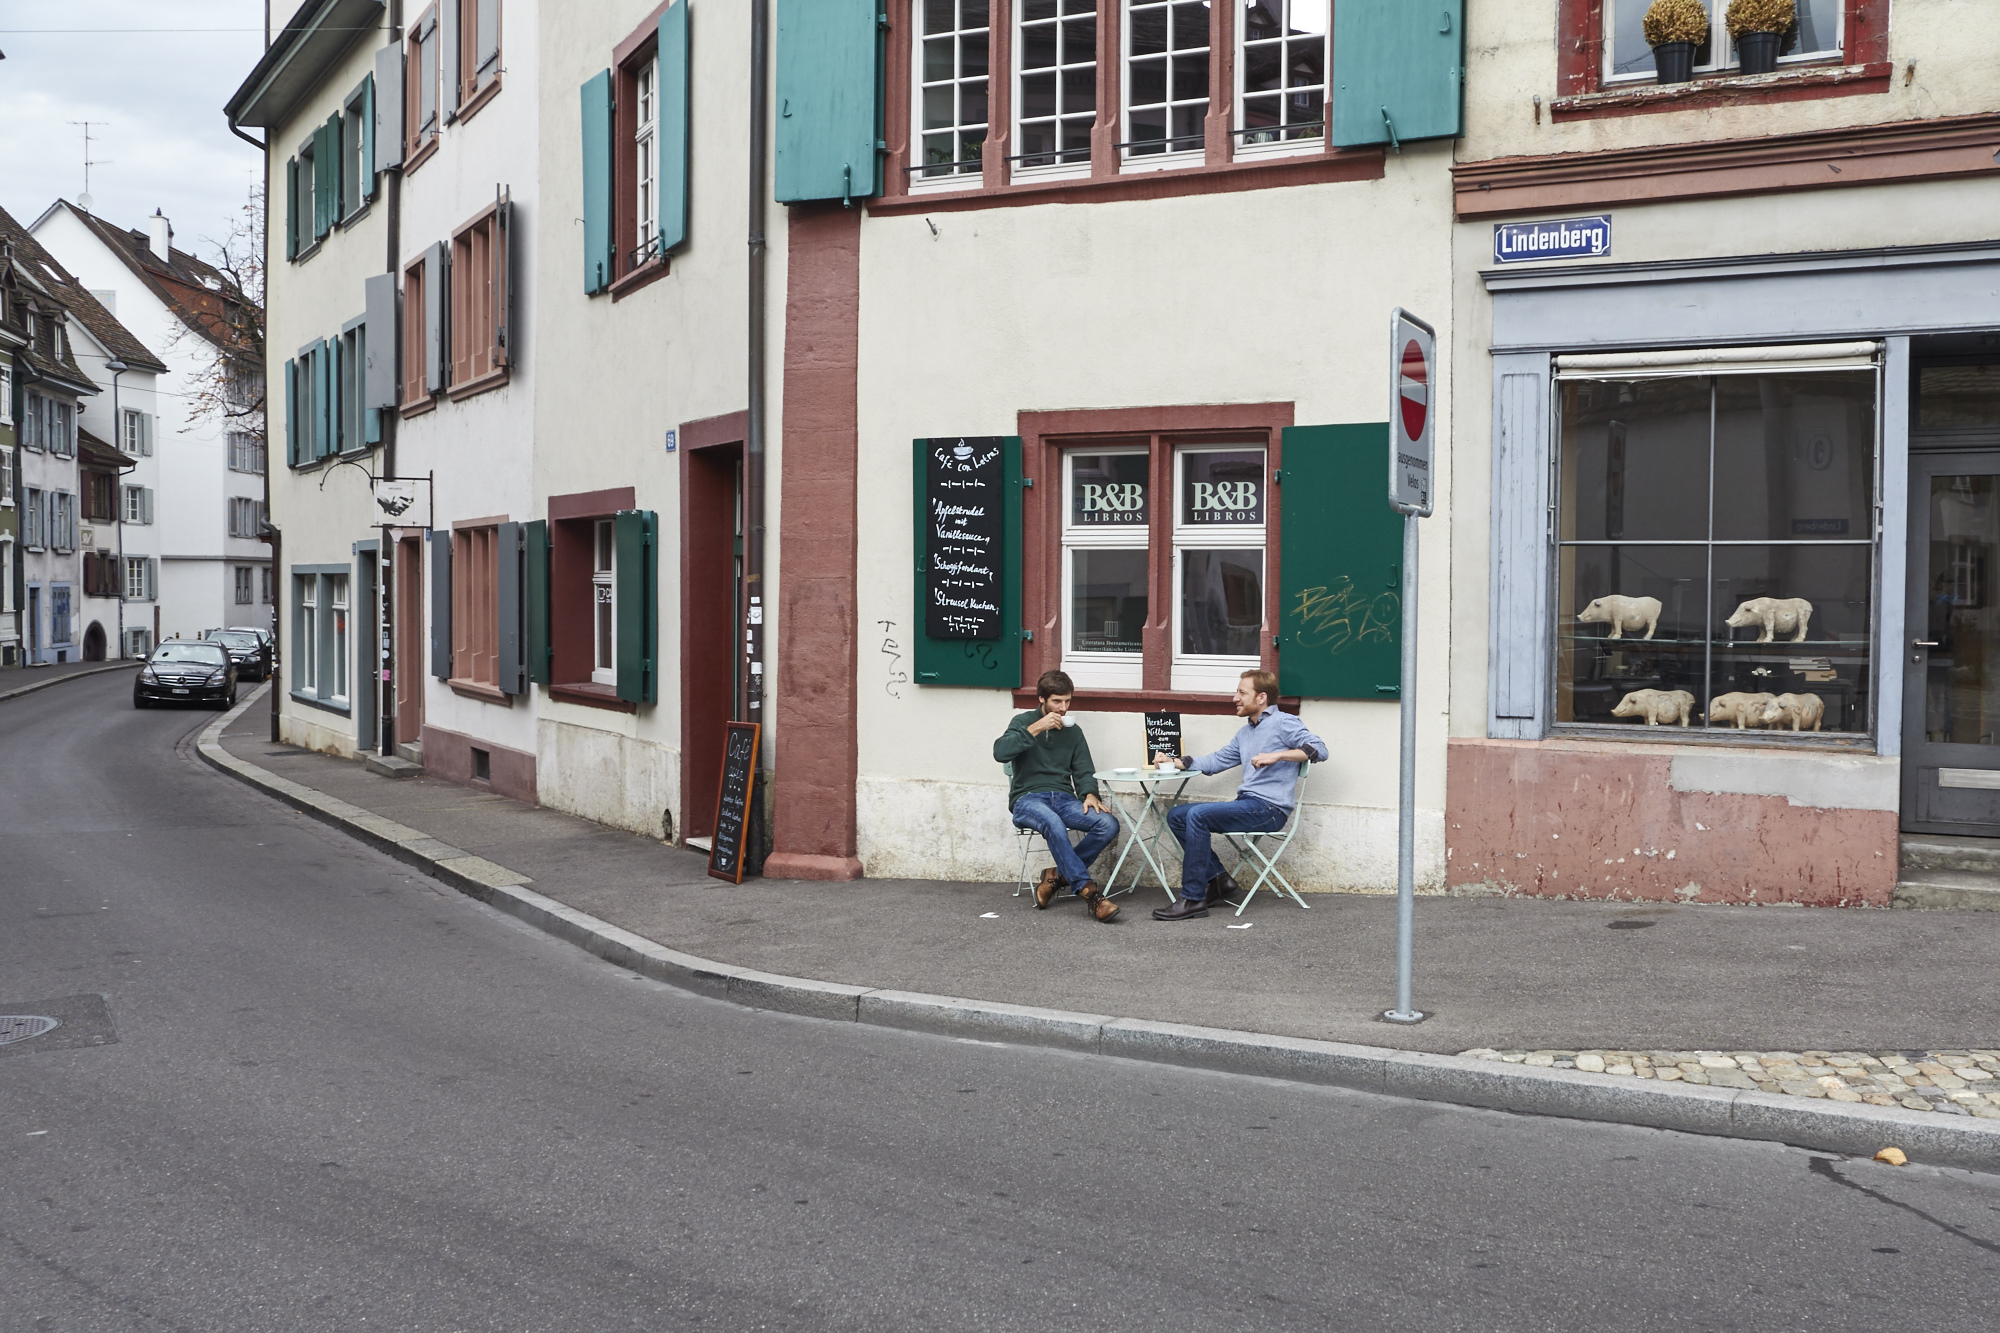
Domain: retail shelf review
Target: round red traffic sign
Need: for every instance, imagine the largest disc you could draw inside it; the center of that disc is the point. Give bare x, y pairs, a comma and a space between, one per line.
1414, 391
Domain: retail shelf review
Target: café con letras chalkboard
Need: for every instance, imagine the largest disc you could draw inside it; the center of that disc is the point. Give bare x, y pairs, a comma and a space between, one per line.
964, 490
735, 788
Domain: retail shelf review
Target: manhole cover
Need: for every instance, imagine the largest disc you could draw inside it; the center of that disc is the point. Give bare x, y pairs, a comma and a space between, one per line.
20, 1027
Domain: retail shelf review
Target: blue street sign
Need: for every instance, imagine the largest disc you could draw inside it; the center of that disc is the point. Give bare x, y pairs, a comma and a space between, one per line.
1571, 238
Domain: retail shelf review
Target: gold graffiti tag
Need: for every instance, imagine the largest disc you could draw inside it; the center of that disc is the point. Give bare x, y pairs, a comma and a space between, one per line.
1340, 616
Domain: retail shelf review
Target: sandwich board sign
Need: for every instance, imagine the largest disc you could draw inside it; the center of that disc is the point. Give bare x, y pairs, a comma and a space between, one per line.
1413, 418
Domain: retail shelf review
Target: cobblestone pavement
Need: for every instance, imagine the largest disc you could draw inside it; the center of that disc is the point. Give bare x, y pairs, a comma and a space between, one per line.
1954, 1082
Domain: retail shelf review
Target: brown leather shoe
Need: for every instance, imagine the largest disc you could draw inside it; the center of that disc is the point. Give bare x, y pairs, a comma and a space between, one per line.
1093, 897
1047, 888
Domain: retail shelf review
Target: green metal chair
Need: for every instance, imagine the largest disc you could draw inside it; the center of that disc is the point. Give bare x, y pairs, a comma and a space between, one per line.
1263, 851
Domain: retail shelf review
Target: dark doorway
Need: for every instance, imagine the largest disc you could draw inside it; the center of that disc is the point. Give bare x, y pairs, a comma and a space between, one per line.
407, 670
712, 600
93, 642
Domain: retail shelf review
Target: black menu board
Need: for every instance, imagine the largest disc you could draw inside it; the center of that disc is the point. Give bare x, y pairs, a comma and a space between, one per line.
1163, 735
732, 801
965, 482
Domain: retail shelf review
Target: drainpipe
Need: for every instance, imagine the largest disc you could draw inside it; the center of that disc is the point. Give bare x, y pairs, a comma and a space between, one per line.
758, 618
385, 667
117, 368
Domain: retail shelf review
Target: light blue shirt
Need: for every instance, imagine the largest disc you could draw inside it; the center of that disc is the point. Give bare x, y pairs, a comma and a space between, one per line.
1273, 731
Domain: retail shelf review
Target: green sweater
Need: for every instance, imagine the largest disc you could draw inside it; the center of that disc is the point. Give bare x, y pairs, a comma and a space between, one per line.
1056, 760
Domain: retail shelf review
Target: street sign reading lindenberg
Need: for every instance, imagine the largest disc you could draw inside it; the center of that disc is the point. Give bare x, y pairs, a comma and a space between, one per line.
1570, 238
1413, 372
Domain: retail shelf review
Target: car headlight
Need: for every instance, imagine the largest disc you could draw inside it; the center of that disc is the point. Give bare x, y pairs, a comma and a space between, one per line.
217, 676
146, 674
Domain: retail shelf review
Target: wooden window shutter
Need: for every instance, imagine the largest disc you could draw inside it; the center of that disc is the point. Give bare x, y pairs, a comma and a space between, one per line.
830, 58
598, 267
488, 44
322, 400
386, 99
671, 133
989, 663
367, 131
511, 665
378, 370
437, 263
636, 535
502, 258
1518, 643
326, 174
292, 208
1340, 565
448, 40
441, 605
292, 457
535, 589
1398, 71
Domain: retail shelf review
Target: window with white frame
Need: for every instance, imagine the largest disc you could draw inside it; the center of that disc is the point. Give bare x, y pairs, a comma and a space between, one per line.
1815, 36
246, 516
1281, 48
138, 504
335, 588
62, 520
245, 582
6, 478
246, 452
604, 604
1106, 564
646, 162
305, 634
32, 421
32, 536
141, 578
62, 429
59, 613
1055, 88
138, 434
6, 573
355, 176
264, 586
6, 395
951, 104
138, 643
1166, 77
1220, 501
349, 396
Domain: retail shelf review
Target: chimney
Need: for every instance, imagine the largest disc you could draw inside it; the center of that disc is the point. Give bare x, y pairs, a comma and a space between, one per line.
162, 236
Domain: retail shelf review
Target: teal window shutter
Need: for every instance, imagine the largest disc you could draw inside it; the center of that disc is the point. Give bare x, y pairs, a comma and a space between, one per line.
291, 208
367, 188
830, 58
292, 414
535, 578
322, 400
598, 270
1340, 565
988, 663
635, 533
672, 131
1398, 71
326, 175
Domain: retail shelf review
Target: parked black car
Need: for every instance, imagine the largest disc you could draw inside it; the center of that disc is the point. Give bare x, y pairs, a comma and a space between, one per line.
186, 671
249, 650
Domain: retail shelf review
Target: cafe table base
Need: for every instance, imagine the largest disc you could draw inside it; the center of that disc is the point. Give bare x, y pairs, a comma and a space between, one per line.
1143, 798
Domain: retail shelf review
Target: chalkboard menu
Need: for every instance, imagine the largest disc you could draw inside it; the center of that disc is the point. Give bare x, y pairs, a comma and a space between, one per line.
1163, 735
732, 801
964, 494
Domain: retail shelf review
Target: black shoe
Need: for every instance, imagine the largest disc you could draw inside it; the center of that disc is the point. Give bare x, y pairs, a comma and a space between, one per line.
1182, 910
1222, 887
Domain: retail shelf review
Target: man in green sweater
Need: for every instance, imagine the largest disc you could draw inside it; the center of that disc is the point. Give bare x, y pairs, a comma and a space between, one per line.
1055, 790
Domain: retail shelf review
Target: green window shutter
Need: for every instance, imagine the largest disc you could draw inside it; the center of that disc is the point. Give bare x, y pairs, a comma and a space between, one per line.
367, 190
441, 605
1398, 71
830, 58
292, 414
989, 663
507, 610
322, 400
535, 580
1340, 565
291, 208
673, 125
326, 176
597, 244
635, 533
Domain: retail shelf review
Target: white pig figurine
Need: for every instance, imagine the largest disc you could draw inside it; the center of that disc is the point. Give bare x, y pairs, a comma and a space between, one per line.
1774, 615
1669, 707
1803, 711
1745, 710
1623, 613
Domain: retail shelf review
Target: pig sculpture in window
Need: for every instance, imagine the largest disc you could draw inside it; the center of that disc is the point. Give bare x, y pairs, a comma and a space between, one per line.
1659, 707
1623, 613
1774, 616
1802, 711
1745, 710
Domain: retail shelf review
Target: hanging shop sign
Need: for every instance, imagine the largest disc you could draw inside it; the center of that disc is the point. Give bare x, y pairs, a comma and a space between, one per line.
1570, 238
965, 481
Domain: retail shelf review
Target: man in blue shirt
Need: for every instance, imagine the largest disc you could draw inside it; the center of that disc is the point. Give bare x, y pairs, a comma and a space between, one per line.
1268, 745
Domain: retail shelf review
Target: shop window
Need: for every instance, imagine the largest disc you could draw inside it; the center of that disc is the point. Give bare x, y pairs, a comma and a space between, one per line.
1715, 547
951, 104
590, 583
305, 635
334, 586
604, 604
320, 635
1958, 396
1106, 565
1166, 78
1603, 47
475, 629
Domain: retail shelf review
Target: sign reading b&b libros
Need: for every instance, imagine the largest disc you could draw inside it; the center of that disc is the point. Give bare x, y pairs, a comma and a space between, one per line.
965, 483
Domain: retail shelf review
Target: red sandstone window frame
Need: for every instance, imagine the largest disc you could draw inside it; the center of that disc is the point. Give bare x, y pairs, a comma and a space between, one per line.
475, 609
1863, 67
1045, 438
478, 292
416, 383
419, 144
573, 522
640, 46
471, 96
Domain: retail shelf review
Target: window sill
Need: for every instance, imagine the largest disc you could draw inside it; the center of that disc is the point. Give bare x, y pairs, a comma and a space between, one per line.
307, 253
424, 152
479, 689
479, 99
1087, 700
314, 701
419, 407
645, 275
592, 695
1713, 90
1343, 164
366, 207
472, 388
1610, 735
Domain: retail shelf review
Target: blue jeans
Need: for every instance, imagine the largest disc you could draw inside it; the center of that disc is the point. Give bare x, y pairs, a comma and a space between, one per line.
1053, 814
1191, 826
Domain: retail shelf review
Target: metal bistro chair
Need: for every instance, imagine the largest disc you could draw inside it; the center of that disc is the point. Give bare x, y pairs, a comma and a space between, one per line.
1263, 850
1028, 837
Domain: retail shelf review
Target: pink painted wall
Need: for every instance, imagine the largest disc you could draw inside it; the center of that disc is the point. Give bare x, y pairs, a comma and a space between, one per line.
1583, 820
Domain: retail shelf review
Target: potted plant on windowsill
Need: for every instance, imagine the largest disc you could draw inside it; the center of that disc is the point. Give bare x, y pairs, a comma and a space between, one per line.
1759, 27
1674, 28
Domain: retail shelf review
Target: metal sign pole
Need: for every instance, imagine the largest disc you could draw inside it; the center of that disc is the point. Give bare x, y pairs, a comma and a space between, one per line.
1406, 822
1412, 421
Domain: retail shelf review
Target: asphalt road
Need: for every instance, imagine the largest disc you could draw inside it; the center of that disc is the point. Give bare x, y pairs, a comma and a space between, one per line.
333, 1095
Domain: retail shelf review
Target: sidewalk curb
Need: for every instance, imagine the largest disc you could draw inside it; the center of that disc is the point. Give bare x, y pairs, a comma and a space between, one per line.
1841, 1127
67, 675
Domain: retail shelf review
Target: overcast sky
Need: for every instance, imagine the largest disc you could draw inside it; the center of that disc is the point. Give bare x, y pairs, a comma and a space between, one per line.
152, 84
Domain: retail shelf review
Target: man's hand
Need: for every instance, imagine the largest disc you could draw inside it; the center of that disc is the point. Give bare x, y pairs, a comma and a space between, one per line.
1046, 722
1278, 757
1161, 759
1091, 803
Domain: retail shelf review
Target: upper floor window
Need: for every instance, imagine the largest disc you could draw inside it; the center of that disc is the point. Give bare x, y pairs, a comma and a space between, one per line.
6, 478
1166, 77
138, 504
478, 286
246, 452
138, 434
645, 153
1815, 36
478, 50
246, 516
421, 111
1055, 94
1281, 50
951, 104
6, 395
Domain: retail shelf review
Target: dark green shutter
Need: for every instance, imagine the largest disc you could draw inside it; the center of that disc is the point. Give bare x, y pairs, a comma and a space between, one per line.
536, 583
1398, 70
598, 269
291, 208
366, 189
991, 663
636, 535
292, 456
441, 605
829, 74
511, 676
1340, 565
326, 176
323, 443
673, 125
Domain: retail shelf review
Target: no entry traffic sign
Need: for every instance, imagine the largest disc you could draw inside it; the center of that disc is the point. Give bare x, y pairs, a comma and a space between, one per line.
1413, 361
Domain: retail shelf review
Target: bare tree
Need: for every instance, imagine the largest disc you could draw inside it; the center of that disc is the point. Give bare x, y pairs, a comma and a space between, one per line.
228, 314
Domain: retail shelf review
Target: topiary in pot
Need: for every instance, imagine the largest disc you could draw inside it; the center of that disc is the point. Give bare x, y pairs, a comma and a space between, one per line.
1674, 28
1759, 27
